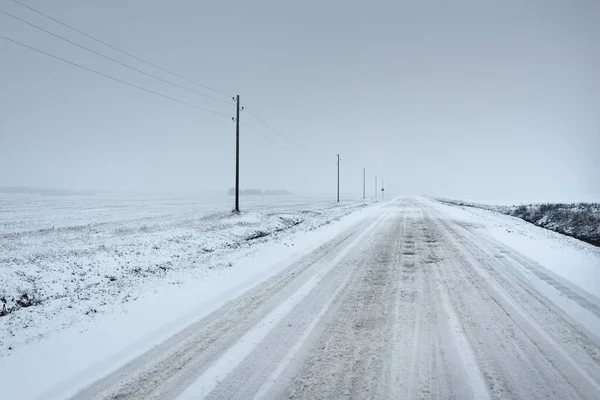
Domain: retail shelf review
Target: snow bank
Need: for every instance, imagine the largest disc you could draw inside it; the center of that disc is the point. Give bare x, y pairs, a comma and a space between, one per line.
93, 257
578, 220
574, 260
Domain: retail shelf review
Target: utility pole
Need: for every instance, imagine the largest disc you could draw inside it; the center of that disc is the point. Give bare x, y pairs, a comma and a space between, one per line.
338, 178
237, 154
382, 188
363, 183
376, 195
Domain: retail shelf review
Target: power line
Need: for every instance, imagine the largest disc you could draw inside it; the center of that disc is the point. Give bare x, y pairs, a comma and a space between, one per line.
268, 139
120, 50
113, 78
254, 114
111, 59
278, 133
297, 146
259, 119
262, 136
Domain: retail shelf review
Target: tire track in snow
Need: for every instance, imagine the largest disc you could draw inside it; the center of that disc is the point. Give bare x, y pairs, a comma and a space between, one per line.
432, 357
521, 358
228, 362
174, 364
351, 354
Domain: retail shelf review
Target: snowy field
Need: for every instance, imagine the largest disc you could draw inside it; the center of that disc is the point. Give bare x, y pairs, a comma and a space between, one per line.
65, 259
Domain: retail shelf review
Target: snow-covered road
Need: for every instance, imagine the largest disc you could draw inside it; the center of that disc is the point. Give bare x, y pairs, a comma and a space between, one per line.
409, 302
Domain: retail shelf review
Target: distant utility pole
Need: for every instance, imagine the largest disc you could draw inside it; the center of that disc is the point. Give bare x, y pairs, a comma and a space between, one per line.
338, 178
382, 188
363, 183
237, 154
376, 195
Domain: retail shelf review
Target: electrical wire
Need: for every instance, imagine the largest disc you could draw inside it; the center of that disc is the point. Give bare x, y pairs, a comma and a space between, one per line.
110, 58
263, 136
259, 119
268, 139
113, 78
250, 111
120, 50
296, 145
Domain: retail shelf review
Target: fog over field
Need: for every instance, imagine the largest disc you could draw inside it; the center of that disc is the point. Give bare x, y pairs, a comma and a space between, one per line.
483, 101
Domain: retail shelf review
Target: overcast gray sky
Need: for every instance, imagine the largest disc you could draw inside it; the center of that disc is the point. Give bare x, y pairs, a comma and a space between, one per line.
481, 100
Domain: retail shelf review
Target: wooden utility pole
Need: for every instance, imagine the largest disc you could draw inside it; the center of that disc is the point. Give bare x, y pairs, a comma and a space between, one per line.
382, 188
338, 178
237, 154
363, 183
376, 195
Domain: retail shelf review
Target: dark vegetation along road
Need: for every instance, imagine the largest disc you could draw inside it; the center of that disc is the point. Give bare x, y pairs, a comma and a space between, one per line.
581, 220
578, 220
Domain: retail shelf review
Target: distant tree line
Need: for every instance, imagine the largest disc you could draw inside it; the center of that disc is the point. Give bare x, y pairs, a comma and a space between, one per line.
258, 192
